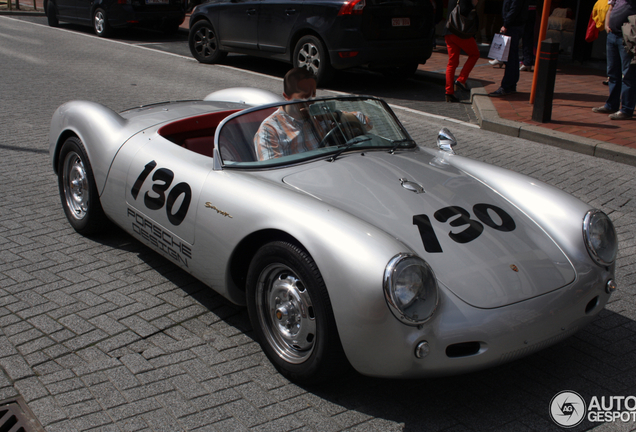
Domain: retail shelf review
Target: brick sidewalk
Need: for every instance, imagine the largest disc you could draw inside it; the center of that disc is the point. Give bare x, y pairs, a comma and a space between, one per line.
577, 90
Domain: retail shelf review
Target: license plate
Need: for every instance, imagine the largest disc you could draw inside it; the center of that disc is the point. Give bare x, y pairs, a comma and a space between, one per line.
401, 22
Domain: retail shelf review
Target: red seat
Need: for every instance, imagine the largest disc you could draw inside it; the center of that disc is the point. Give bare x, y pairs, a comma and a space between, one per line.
202, 145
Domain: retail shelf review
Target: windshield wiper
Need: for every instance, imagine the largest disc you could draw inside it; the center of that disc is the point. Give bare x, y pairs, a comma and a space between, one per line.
349, 144
397, 143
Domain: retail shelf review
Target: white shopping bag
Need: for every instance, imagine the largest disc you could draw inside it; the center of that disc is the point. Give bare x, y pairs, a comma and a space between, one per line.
500, 47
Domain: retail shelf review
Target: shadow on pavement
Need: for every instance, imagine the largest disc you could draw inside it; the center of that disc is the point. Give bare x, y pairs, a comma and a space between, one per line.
484, 400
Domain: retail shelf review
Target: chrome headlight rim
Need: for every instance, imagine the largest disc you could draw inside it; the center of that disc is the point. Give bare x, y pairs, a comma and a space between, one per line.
588, 220
390, 279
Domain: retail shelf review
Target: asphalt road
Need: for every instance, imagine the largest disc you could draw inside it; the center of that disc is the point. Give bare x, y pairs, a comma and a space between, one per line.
417, 93
104, 334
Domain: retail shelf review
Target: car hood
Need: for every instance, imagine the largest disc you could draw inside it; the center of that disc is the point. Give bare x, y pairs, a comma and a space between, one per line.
485, 258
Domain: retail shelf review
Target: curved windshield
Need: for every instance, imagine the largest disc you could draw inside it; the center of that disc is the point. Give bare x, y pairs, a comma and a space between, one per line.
299, 130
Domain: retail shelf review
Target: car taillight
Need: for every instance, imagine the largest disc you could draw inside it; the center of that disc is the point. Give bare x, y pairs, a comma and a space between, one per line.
352, 7
123, 1
348, 54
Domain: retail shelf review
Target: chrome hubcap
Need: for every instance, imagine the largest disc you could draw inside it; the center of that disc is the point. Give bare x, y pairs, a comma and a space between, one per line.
286, 314
309, 57
75, 185
99, 22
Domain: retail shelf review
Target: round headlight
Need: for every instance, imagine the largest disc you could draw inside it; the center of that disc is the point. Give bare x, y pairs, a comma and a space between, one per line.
600, 237
410, 289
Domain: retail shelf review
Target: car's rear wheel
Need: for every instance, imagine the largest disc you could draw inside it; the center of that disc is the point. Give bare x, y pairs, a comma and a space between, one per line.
311, 53
78, 190
204, 45
51, 15
291, 313
100, 23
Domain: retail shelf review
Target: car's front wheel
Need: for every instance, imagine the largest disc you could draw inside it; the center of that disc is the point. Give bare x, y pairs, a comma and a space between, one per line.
291, 313
100, 23
204, 45
51, 15
311, 53
78, 190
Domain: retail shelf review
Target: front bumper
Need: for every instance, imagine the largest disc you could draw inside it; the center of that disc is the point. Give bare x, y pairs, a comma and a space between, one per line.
462, 338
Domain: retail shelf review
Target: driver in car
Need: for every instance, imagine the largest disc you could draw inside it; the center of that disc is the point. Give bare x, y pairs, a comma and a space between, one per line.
290, 129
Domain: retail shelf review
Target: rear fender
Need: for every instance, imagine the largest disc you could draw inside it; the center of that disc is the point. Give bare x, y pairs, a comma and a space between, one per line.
101, 130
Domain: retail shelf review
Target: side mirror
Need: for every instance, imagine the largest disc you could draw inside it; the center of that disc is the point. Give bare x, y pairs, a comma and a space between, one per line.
446, 141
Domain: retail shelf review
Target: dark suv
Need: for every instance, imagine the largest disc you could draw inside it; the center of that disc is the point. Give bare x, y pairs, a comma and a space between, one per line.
393, 36
104, 15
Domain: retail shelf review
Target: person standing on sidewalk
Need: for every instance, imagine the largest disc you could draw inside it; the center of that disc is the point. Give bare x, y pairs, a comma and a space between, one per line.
529, 37
620, 72
514, 14
455, 45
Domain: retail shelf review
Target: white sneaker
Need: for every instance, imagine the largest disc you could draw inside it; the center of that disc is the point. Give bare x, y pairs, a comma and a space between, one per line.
525, 68
496, 63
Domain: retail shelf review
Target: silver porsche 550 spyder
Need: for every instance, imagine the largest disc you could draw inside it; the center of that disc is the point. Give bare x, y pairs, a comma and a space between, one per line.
361, 248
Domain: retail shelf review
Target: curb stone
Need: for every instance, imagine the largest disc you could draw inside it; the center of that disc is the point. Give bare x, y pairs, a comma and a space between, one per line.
489, 120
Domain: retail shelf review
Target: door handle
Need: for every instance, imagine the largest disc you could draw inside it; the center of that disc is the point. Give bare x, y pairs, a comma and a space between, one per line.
290, 11
251, 11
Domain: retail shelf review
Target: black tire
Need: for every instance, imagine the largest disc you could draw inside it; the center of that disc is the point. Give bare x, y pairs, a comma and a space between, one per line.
291, 314
51, 14
78, 190
401, 72
100, 23
311, 53
204, 45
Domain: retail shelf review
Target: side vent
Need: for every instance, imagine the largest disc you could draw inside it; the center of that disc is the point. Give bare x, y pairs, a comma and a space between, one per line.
463, 349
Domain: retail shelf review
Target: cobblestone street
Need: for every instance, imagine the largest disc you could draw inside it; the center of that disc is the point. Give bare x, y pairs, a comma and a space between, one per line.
104, 334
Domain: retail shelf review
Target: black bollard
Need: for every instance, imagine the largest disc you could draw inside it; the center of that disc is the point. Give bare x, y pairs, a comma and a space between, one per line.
548, 57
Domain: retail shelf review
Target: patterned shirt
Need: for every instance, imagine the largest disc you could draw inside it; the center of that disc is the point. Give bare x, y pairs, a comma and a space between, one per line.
281, 135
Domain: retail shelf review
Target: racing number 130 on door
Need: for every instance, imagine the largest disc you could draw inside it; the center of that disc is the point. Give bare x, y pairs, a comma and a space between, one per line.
162, 179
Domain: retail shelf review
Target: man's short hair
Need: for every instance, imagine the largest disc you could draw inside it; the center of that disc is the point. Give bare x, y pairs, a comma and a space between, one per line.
293, 77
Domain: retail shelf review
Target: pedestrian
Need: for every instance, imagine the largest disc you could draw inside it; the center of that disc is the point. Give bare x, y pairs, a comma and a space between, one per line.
514, 14
620, 72
454, 45
529, 38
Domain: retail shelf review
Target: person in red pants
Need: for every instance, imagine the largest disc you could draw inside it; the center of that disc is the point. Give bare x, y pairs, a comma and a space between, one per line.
455, 45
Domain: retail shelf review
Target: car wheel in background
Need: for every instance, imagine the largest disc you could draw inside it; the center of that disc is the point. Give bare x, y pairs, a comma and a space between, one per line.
204, 44
402, 72
78, 191
291, 313
100, 23
310, 53
51, 14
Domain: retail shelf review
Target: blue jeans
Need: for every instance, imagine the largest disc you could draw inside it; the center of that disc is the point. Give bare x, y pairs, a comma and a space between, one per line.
511, 75
622, 76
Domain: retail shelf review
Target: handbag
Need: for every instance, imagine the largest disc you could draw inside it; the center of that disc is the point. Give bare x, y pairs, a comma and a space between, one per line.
463, 26
500, 47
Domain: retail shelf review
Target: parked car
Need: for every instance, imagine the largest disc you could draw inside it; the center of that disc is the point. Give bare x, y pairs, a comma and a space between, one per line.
366, 250
323, 35
105, 15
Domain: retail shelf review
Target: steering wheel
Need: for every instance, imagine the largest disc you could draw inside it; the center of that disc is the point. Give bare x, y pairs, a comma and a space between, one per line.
342, 132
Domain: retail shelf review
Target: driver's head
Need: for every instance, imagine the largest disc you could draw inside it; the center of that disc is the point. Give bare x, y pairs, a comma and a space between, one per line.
299, 83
